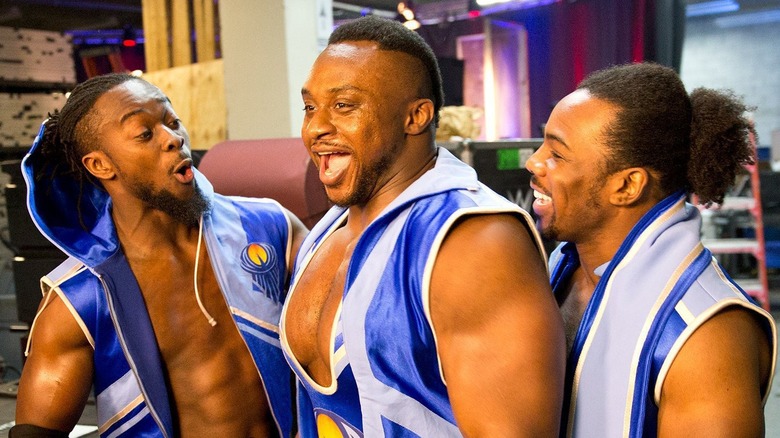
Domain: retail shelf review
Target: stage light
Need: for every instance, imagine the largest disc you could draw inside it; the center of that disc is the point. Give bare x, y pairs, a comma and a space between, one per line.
128, 37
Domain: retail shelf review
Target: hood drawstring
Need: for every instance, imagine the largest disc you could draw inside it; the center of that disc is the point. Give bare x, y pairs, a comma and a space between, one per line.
208, 316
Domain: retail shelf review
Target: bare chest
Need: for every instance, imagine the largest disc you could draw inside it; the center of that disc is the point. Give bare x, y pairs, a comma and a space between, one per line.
213, 381
314, 304
573, 304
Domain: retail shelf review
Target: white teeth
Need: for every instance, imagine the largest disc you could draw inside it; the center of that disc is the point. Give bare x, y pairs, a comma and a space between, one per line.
543, 197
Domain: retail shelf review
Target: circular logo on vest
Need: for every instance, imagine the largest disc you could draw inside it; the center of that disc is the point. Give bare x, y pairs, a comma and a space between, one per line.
258, 258
330, 425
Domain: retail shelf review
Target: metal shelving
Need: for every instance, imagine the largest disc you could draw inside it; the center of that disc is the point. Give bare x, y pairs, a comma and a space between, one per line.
758, 286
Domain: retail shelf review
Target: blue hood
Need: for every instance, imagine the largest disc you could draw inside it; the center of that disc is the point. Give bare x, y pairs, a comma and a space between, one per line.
75, 219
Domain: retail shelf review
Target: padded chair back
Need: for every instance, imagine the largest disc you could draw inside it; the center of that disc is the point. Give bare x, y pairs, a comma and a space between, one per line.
279, 168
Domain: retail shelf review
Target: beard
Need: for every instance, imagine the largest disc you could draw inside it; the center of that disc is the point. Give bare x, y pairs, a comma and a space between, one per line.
367, 180
553, 233
185, 211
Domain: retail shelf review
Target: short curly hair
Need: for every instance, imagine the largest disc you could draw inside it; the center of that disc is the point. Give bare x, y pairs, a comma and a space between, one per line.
392, 35
696, 143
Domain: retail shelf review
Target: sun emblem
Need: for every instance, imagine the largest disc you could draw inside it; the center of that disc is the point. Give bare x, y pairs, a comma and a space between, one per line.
260, 260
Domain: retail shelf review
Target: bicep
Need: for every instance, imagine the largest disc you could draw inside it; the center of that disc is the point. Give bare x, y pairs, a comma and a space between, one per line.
715, 384
499, 332
57, 374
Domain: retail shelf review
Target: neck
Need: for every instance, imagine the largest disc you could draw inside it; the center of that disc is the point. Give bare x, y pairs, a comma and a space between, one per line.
143, 231
360, 216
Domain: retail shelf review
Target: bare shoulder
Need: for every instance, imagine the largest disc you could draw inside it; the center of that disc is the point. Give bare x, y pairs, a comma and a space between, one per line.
491, 248
57, 375
718, 380
56, 328
489, 261
496, 319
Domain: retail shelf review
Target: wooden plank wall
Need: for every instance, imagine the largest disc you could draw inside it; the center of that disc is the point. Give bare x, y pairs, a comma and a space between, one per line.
197, 92
168, 33
192, 79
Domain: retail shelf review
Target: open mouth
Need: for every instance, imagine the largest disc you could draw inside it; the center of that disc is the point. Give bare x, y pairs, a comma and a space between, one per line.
333, 163
183, 172
541, 197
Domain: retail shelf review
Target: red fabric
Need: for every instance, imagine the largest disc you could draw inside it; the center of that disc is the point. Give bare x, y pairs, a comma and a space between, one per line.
279, 168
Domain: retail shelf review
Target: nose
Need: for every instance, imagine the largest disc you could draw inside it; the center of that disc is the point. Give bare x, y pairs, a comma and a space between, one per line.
174, 140
535, 163
317, 125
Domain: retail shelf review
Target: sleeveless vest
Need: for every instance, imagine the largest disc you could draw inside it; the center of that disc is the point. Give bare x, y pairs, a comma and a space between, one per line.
248, 241
387, 379
661, 285
131, 392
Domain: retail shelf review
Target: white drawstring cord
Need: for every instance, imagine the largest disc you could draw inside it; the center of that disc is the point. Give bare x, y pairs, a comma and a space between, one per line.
195, 276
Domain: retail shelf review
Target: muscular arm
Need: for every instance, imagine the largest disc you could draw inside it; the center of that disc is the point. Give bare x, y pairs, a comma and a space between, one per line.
715, 385
57, 375
499, 333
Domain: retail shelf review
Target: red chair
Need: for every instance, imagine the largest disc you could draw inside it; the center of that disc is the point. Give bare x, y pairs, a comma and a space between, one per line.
278, 168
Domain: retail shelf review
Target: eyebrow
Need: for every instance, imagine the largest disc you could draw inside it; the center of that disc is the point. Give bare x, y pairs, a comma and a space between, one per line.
140, 110
556, 139
334, 90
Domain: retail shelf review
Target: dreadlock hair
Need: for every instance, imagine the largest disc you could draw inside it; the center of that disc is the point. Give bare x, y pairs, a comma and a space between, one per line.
392, 35
68, 132
696, 143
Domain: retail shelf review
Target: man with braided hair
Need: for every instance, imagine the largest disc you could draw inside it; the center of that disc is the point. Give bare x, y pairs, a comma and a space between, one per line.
661, 341
169, 301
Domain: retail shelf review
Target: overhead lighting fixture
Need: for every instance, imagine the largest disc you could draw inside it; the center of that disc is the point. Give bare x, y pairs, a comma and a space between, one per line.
412, 24
749, 19
473, 9
128, 37
407, 13
491, 2
711, 8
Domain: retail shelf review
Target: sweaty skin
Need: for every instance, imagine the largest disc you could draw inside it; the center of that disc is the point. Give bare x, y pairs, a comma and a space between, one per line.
371, 136
215, 387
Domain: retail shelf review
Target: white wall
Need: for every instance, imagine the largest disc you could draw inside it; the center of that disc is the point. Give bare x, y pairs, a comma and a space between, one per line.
268, 47
745, 59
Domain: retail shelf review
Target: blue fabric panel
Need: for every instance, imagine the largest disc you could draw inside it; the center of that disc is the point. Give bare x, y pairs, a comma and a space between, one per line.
343, 402
397, 431
642, 391
277, 378
146, 427
307, 424
131, 314
413, 371
264, 226
63, 209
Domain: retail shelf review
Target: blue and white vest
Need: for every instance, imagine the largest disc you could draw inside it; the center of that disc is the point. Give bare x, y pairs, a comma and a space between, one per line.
661, 285
385, 368
249, 243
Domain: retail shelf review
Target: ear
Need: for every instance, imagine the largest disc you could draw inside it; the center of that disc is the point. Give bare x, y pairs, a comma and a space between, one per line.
629, 186
99, 165
419, 117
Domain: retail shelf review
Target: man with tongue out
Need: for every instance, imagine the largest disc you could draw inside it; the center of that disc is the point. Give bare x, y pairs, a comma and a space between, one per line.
420, 304
169, 301
660, 340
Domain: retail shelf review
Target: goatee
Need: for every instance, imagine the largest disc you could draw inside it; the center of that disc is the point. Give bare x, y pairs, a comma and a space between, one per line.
186, 211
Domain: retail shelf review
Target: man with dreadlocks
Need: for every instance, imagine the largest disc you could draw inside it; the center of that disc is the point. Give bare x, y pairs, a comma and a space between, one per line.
169, 300
660, 340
